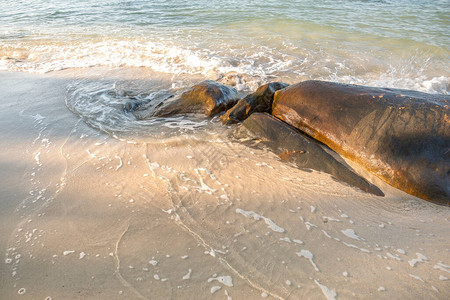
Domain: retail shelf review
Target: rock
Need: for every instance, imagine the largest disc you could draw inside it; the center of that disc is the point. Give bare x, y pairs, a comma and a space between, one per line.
144, 108
208, 97
293, 146
401, 136
133, 105
259, 101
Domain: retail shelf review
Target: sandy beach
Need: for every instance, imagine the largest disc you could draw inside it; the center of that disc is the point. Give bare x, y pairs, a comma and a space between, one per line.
114, 183
93, 214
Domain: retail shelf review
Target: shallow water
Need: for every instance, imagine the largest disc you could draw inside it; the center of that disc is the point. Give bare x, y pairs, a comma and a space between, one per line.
102, 211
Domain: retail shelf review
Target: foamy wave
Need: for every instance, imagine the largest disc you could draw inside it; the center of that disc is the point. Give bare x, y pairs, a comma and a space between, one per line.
440, 85
243, 68
435, 85
160, 57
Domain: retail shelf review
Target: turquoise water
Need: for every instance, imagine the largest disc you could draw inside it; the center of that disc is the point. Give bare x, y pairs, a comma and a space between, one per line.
402, 43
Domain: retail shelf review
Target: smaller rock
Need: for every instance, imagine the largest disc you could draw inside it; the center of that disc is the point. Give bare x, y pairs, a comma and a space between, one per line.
259, 101
208, 97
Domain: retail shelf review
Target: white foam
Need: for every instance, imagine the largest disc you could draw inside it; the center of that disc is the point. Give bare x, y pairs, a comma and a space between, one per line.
264, 164
309, 225
329, 294
160, 56
356, 247
120, 162
38, 117
215, 288
351, 234
331, 219
91, 154
416, 277
228, 296
401, 251
211, 252
393, 256
309, 256
420, 258
442, 267
36, 158
22, 291
327, 234
203, 186
225, 280
188, 275
257, 217
286, 239
184, 124
435, 85
250, 68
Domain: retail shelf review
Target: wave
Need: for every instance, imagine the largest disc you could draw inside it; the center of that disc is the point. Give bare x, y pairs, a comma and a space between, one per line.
246, 68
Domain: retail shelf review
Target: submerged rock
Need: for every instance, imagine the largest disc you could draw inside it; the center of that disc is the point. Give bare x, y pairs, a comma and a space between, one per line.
208, 97
402, 136
259, 101
133, 105
143, 108
292, 146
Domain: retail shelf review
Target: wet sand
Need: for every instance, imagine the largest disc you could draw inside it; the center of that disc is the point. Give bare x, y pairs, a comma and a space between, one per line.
195, 215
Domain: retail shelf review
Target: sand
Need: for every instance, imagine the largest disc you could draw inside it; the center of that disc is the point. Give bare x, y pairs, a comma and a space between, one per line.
92, 213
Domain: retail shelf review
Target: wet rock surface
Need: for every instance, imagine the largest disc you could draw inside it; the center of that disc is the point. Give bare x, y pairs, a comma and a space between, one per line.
208, 97
259, 101
292, 146
402, 136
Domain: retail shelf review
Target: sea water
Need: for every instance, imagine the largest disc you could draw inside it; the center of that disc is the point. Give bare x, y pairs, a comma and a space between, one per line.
394, 43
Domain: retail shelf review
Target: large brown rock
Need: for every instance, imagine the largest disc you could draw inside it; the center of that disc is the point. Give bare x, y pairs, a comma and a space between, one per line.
402, 136
293, 146
208, 97
259, 101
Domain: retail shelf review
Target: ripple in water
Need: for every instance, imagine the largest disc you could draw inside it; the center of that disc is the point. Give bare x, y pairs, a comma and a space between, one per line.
119, 110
